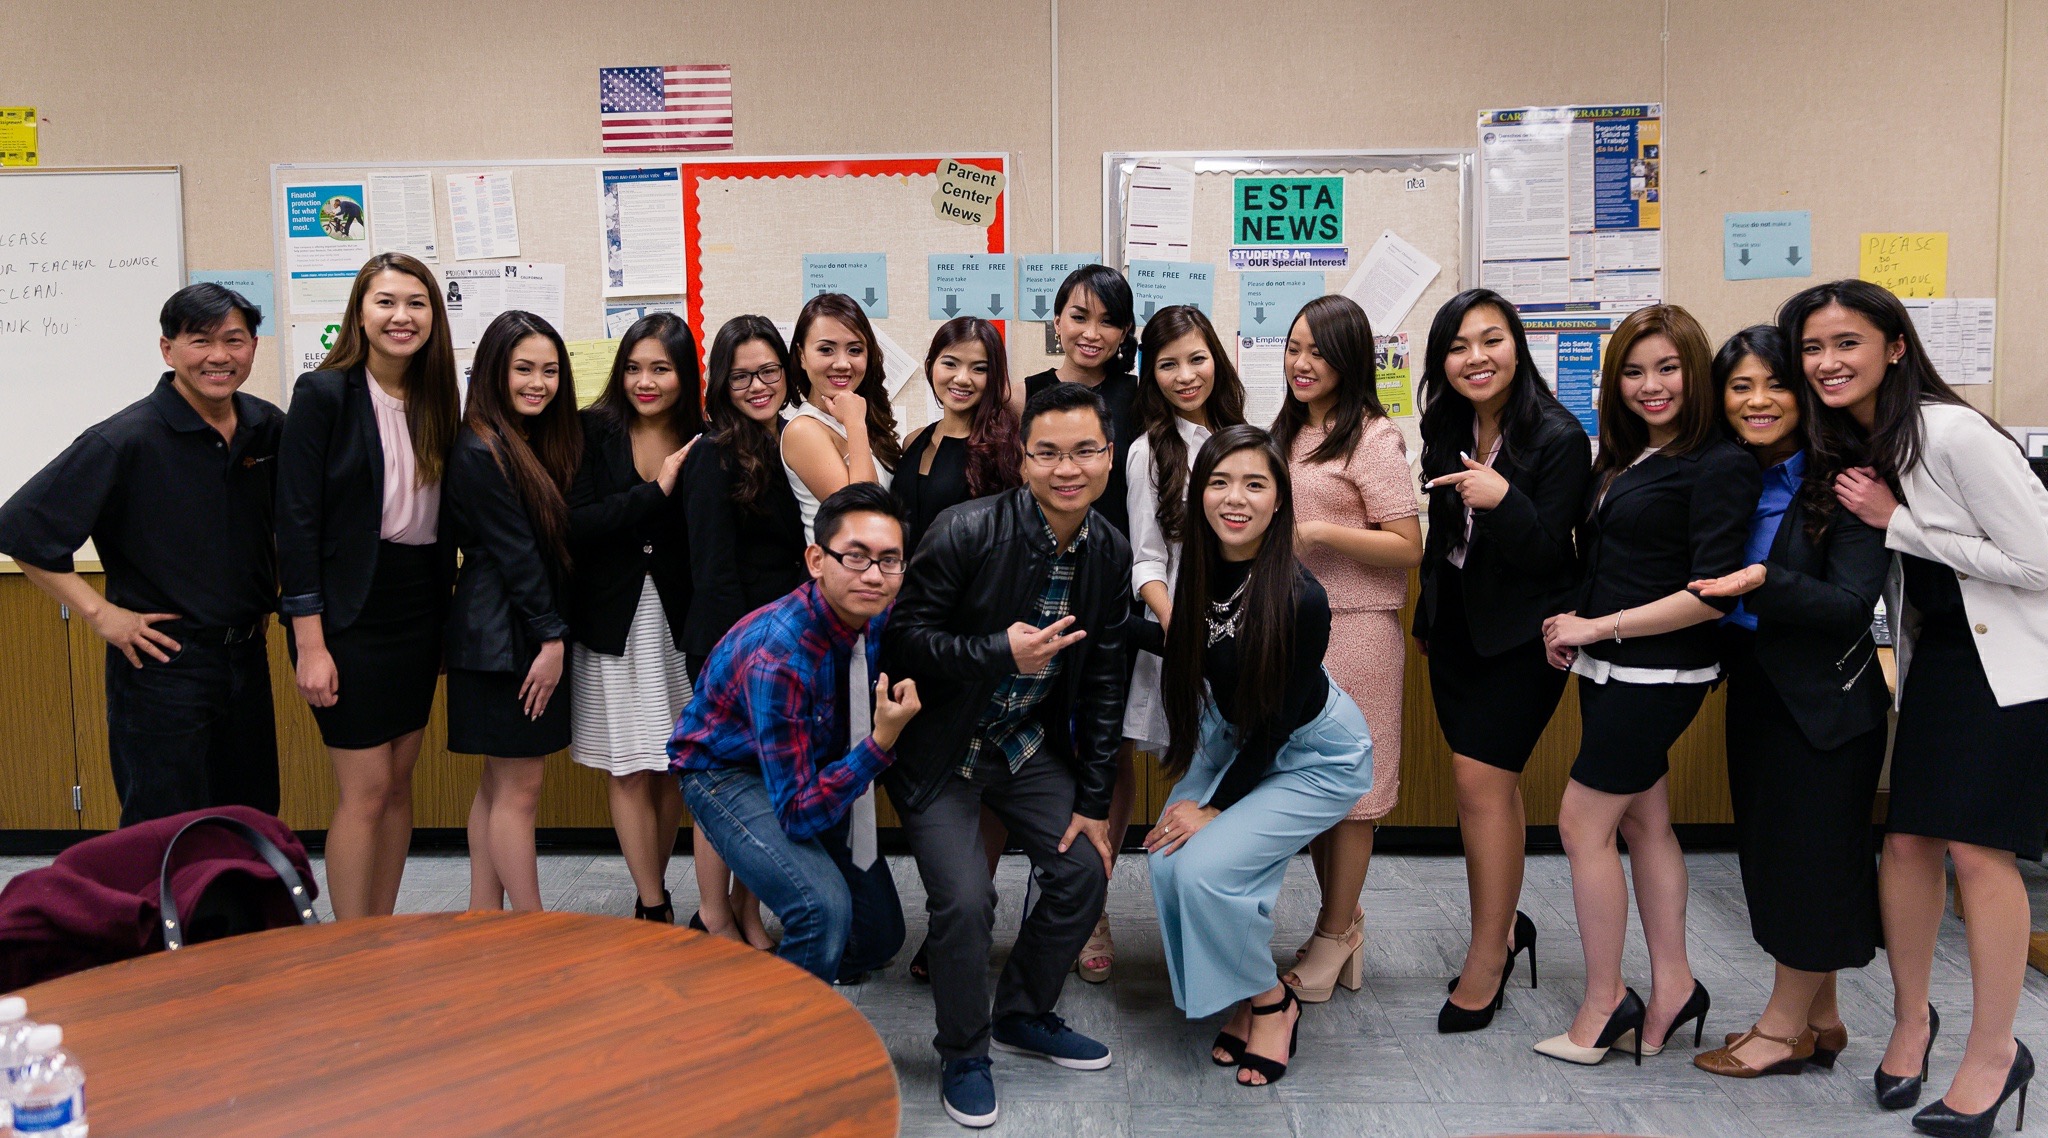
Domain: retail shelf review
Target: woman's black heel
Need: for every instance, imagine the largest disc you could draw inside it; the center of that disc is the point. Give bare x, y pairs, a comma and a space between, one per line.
1525, 939
1945, 1121
1230, 1045
1259, 1065
1696, 1007
1897, 1092
1626, 1019
665, 912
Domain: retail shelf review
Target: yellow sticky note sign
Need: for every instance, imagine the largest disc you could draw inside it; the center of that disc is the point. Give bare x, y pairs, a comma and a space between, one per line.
590, 363
1909, 264
18, 136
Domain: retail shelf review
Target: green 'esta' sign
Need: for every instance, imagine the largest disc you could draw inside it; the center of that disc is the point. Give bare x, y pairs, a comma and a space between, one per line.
1288, 211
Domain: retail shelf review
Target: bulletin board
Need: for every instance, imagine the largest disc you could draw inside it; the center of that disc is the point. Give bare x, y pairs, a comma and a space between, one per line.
1424, 196
747, 222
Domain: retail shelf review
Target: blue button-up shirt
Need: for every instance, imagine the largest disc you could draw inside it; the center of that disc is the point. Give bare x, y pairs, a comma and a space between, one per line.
1781, 485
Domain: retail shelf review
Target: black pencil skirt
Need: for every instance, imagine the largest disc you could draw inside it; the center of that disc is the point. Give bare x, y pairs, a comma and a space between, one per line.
1802, 824
487, 717
1626, 732
389, 659
1491, 708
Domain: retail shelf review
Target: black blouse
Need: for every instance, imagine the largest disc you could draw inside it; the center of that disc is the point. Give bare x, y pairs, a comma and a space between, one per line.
1120, 392
1308, 688
925, 495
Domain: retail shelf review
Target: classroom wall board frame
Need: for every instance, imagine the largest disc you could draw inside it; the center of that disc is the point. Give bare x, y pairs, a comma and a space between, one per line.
748, 221
88, 255
1425, 196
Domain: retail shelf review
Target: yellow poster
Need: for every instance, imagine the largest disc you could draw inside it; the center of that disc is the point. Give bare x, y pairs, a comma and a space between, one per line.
18, 136
1909, 264
1394, 382
590, 364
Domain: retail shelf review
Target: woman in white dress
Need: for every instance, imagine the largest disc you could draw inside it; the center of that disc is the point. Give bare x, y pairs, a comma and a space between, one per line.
630, 592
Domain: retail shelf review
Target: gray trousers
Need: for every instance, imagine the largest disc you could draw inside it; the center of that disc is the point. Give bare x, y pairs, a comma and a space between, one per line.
1036, 804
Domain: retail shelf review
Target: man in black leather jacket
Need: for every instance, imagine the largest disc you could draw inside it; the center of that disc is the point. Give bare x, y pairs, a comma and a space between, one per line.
1012, 617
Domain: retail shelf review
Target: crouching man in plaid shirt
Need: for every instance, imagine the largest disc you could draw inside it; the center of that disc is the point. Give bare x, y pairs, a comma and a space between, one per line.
778, 749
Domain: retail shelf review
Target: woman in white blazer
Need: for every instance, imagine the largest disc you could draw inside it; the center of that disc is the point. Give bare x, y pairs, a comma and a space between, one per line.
1967, 522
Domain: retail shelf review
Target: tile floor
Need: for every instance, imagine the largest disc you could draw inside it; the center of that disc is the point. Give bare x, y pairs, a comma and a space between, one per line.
1371, 1062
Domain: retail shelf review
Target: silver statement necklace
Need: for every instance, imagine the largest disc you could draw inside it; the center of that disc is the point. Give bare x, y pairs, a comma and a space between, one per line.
1227, 615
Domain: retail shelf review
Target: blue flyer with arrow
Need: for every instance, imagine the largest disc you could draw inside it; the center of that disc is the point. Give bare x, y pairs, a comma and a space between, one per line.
862, 276
972, 284
1268, 302
1775, 243
1040, 278
1157, 284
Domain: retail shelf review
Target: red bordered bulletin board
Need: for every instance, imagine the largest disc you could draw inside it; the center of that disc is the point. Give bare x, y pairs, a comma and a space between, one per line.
696, 174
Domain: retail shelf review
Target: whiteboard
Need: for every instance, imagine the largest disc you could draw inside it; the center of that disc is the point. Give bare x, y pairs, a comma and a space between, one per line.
87, 259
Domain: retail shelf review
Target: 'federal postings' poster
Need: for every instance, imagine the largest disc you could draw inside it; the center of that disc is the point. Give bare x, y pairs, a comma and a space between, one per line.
1571, 228
327, 239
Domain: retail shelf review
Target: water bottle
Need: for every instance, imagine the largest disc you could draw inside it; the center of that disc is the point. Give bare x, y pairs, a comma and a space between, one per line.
14, 1028
48, 1091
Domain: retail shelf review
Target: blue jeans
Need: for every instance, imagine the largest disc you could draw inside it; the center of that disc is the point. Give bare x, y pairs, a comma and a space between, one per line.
837, 920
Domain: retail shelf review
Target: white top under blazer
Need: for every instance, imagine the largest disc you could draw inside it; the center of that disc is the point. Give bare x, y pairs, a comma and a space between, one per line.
1973, 504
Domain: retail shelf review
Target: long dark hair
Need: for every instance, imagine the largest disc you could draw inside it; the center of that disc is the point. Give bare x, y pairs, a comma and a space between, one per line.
1623, 433
1343, 338
1156, 416
1765, 344
433, 406
1892, 445
873, 385
538, 453
747, 445
994, 455
1113, 293
1448, 418
1265, 638
686, 414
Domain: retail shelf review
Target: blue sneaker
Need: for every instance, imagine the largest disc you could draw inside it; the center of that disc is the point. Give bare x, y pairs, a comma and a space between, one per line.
1048, 1037
969, 1091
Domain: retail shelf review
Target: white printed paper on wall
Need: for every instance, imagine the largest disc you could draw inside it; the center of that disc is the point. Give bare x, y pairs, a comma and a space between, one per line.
402, 214
476, 294
482, 216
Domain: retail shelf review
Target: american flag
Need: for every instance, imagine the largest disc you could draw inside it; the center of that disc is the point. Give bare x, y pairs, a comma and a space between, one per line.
679, 107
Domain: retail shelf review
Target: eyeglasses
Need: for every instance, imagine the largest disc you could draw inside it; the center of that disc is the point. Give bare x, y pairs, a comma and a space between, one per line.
741, 380
858, 562
1082, 455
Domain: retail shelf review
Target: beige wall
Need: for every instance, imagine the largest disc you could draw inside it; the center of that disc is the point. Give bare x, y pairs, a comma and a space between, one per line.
1873, 114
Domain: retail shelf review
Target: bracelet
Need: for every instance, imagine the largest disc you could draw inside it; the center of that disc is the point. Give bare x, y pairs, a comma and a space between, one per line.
1617, 626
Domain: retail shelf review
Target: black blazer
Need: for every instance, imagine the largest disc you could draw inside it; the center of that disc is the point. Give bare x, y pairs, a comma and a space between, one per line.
1666, 522
979, 570
1521, 565
924, 496
507, 598
330, 499
740, 559
621, 530
1813, 625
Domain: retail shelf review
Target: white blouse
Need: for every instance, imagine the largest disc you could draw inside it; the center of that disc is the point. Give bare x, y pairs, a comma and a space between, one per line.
1153, 558
807, 502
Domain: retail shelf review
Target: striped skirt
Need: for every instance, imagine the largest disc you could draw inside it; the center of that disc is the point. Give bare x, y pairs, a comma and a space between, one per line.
624, 708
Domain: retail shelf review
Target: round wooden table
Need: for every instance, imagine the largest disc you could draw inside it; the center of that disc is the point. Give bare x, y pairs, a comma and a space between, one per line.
469, 1023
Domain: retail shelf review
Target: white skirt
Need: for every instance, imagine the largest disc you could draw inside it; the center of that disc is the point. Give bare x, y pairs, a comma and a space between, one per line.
624, 708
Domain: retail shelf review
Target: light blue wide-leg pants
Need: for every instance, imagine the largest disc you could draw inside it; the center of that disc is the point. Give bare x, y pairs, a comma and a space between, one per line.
1216, 892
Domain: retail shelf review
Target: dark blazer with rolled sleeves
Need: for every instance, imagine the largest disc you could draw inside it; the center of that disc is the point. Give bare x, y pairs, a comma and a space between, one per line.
1813, 625
621, 531
507, 598
330, 500
1522, 564
739, 559
980, 570
1667, 521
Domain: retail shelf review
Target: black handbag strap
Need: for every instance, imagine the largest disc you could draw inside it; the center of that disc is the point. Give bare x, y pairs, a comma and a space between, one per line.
174, 933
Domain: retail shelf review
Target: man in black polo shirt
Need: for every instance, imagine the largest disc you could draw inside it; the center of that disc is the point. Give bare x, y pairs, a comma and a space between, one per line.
175, 493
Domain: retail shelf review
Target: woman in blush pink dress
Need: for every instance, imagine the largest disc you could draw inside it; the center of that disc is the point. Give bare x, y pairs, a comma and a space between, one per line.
1358, 531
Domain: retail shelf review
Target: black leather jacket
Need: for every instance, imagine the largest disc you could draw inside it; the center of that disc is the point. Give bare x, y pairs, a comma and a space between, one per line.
979, 570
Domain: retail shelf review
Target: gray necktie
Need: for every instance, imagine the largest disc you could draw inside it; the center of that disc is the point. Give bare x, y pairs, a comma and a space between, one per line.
861, 724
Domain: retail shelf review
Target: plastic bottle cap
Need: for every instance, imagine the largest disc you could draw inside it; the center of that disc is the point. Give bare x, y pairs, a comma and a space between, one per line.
46, 1037
13, 1008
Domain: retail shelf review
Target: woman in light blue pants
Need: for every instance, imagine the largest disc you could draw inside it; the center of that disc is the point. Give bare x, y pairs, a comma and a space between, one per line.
1269, 751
